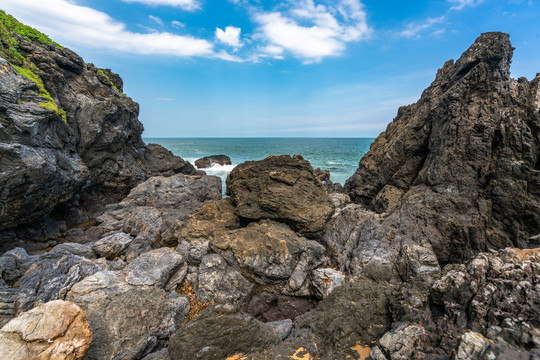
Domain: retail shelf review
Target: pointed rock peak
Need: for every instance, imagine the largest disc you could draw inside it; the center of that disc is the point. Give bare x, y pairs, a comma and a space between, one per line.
492, 48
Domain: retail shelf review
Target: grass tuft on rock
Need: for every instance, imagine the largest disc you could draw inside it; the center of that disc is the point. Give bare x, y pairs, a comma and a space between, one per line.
50, 104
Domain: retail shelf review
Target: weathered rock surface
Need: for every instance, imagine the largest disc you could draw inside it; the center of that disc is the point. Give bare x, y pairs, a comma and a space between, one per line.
464, 159
239, 334
209, 161
281, 188
137, 320
57, 330
92, 158
270, 253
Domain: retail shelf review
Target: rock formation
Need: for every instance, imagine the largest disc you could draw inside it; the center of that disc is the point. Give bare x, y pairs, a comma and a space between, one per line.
209, 161
70, 140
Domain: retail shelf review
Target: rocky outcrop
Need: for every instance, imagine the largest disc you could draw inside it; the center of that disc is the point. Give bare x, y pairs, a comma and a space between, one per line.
209, 161
464, 159
281, 188
57, 330
67, 136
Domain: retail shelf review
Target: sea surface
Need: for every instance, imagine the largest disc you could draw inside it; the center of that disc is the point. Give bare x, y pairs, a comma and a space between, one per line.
338, 155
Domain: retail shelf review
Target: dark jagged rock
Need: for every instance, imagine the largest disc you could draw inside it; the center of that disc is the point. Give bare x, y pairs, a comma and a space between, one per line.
68, 137
239, 334
466, 156
281, 188
209, 161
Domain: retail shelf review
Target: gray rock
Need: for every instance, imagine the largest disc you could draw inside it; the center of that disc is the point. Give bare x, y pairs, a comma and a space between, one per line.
111, 246
219, 282
402, 343
162, 354
270, 253
324, 281
138, 318
163, 268
471, 346
14, 263
282, 328
239, 334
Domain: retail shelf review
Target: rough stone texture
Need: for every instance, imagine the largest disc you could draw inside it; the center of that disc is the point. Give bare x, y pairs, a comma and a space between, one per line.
57, 330
164, 268
95, 157
155, 210
281, 188
471, 346
267, 307
401, 343
209, 161
239, 334
111, 246
352, 312
270, 253
210, 221
220, 283
325, 280
282, 328
138, 318
464, 157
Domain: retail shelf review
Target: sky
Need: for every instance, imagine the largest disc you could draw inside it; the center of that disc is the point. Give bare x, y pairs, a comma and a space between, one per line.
290, 68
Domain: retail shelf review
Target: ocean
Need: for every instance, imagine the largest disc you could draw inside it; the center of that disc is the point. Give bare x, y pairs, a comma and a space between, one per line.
338, 155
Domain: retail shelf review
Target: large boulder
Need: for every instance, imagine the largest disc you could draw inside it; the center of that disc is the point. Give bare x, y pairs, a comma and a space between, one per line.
127, 321
57, 330
281, 188
232, 333
270, 253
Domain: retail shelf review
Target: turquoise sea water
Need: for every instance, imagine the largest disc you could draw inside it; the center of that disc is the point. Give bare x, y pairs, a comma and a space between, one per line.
338, 155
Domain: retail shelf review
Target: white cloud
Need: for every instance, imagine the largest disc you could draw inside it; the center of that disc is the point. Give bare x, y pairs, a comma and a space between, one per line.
313, 31
165, 99
460, 4
413, 30
156, 19
189, 5
178, 24
231, 36
83, 26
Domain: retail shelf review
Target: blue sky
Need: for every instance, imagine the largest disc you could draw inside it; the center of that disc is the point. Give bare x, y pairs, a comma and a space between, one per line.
296, 68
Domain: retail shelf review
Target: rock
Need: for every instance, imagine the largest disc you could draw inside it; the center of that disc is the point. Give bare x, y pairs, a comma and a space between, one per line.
324, 281
455, 158
163, 268
209, 161
57, 330
111, 246
281, 327
211, 220
402, 343
14, 263
220, 283
269, 307
281, 188
270, 253
82, 152
157, 209
8, 296
162, 354
471, 346
239, 334
352, 312
138, 319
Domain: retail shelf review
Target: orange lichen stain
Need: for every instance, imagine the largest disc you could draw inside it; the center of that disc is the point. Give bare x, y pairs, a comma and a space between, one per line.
524, 254
361, 350
237, 357
301, 354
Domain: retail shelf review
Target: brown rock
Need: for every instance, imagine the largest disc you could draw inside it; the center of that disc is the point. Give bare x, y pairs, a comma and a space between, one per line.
281, 188
57, 330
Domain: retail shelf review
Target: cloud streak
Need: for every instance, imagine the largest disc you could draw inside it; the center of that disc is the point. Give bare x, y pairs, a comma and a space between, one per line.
413, 30
85, 26
189, 5
460, 4
312, 31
